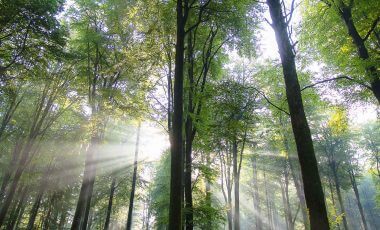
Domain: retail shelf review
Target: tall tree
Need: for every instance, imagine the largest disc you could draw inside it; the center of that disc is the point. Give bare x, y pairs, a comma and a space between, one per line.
134, 179
176, 143
312, 183
354, 28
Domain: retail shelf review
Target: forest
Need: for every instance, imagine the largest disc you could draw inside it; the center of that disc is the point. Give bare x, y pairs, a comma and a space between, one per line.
190, 114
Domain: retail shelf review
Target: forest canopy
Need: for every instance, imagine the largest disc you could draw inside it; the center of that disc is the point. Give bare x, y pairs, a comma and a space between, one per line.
190, 114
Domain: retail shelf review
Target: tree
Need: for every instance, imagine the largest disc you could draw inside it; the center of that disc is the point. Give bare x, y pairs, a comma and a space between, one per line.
134, 179
357, 51
27, 28
309, 167
176, 143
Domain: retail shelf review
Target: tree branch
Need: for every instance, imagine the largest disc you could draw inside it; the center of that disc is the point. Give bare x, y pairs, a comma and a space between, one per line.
337, 78
373, 27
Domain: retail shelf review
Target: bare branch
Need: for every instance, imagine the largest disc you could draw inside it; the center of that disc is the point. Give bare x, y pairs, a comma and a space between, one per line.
373, 27
335, 79
290, 14
268, 22
269, 102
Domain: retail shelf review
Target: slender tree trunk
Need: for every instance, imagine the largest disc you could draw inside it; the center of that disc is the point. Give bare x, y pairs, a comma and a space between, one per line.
109, 208
187, 178
34, 211
236, 185
284, 204
10, 194
229, 211
46, 222
17, 209
16, 179
37, 202
289, 211
208, 192
134, 179
269, 218
62, 220
170, 91
315, 200
189, 138
176, 171
355, 188
340, 199
8, 174
7, 116
256, 198
285, 198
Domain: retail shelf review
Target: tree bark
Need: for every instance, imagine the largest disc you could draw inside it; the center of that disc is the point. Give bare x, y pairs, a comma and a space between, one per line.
236, 185
109, 208
356, 191
62, 220
34, 211
176, 148
208, 193
189, 139
297, 183
8, 174
84, 200
18, 208
340, 199
37, 202
134, 179
312, 184
256, 197
12, 189
14, 103
286, 200
269, 218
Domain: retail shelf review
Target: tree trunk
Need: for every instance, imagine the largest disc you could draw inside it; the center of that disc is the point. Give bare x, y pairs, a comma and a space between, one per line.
297, 184
10, 194
208, 193
7, 116
84, 200
40, 194
134, 179
46, 224
34, 211
109, 208
285, 197
8, 174
229, 211
300, 195
17, 209
284, 204
340, 199
176, 148
269, 219
315, 200
355, 188
256, 198
62, 220
189, 139
236, 185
